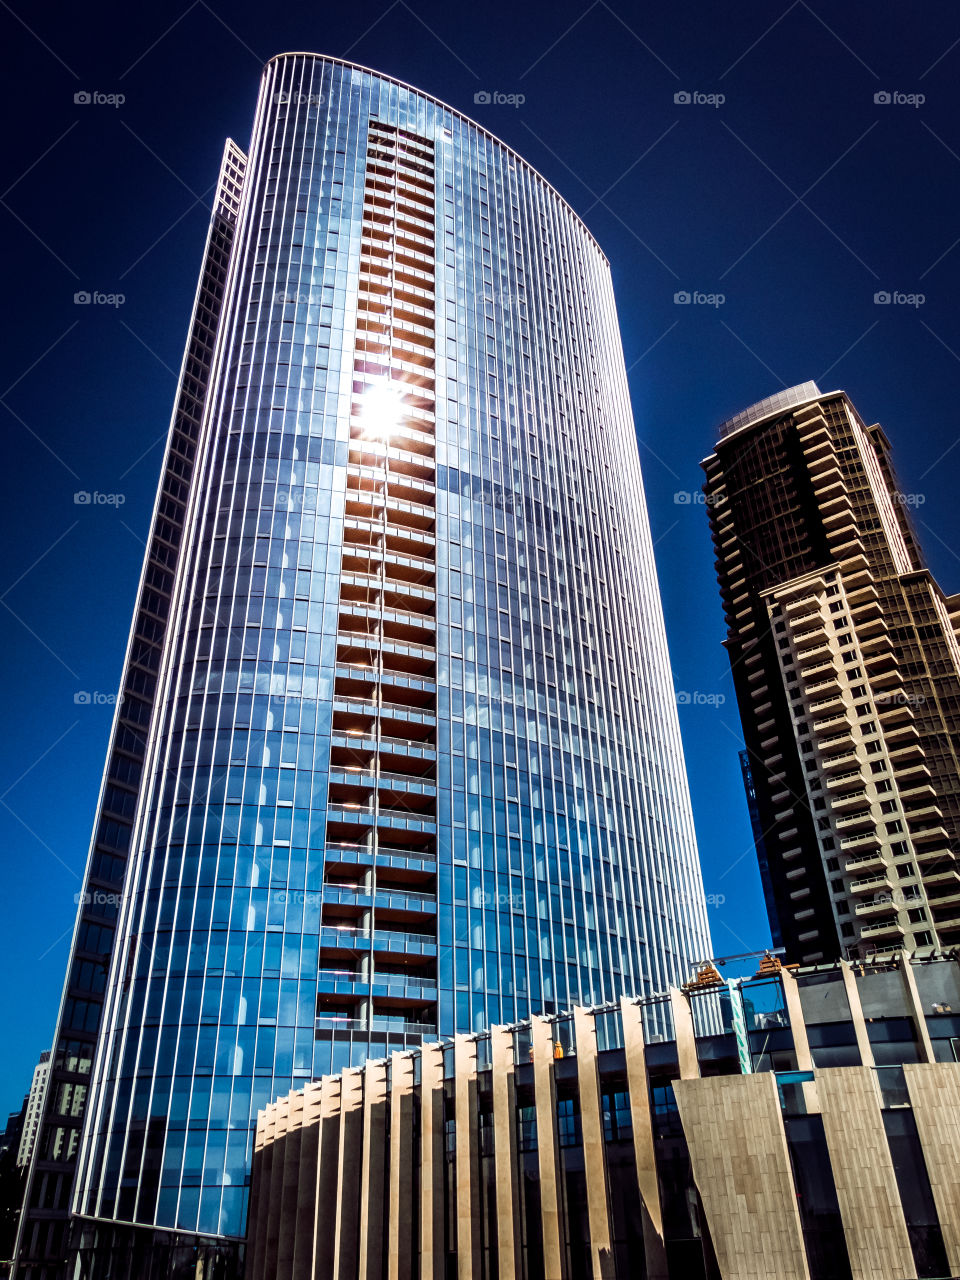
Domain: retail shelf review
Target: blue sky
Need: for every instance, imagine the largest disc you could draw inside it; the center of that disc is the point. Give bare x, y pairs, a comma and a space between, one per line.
777, 162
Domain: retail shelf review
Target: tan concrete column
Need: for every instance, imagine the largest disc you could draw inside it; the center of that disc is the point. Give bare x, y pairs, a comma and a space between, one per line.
505, 1153
350, 1163
432, 1158
934, 1090
594, 1156
791, 998
372, 1172
304, 1241
548, 1153
276, 1187
916, 1006
467, 1157
741, 1167
260, 1192
289, 1187
683, 1034
328, 1182
400, 1231
644, 1151
856, 1013
867, 1191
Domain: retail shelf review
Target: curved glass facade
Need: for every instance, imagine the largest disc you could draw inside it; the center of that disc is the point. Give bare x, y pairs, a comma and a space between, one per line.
414, 767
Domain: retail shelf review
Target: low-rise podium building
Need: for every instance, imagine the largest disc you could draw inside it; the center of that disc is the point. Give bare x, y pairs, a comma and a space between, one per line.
801, 1124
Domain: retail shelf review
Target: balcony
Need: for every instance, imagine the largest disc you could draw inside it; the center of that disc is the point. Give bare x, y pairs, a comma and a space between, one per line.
351, 815
835, 720
372, 676
395, 753
885, 682
921, 789
819, 669
927, 835
872, 884
923, 814
364, 648
393, 857
934, 856
412, 901
843, 783
904, 754
855, 822
833, 702
876, 907
398, 713
949, 905
860, 843
367, 814
881, 662
809, 601
407, 625
409, 475
808, 641
369, 587
839, 766
415, 437
404, 820
870, 624
882, 929
837, 511
850, 800
370, 708
821, 458
380, 941
861, 590
342, 1022
871, 644
846, 542
365, 779
362, 530
912, 773
364, 741
822, 688
837, 732
864, 862
895, 713
950, 876
811, 617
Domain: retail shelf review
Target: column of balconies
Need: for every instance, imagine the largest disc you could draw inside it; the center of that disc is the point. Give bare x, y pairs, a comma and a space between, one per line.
867, 832
378, 942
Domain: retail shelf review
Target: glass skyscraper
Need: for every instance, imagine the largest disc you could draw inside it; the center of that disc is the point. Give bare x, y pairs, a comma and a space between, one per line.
404, 758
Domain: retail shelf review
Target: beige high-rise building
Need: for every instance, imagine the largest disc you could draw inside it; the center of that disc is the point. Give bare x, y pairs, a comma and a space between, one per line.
31, 1119
846, 664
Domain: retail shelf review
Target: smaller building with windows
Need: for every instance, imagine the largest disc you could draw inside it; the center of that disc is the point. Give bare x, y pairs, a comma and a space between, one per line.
31, 1120
802, 1123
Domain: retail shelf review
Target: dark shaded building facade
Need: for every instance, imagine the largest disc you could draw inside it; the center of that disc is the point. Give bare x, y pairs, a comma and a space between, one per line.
43, 1237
